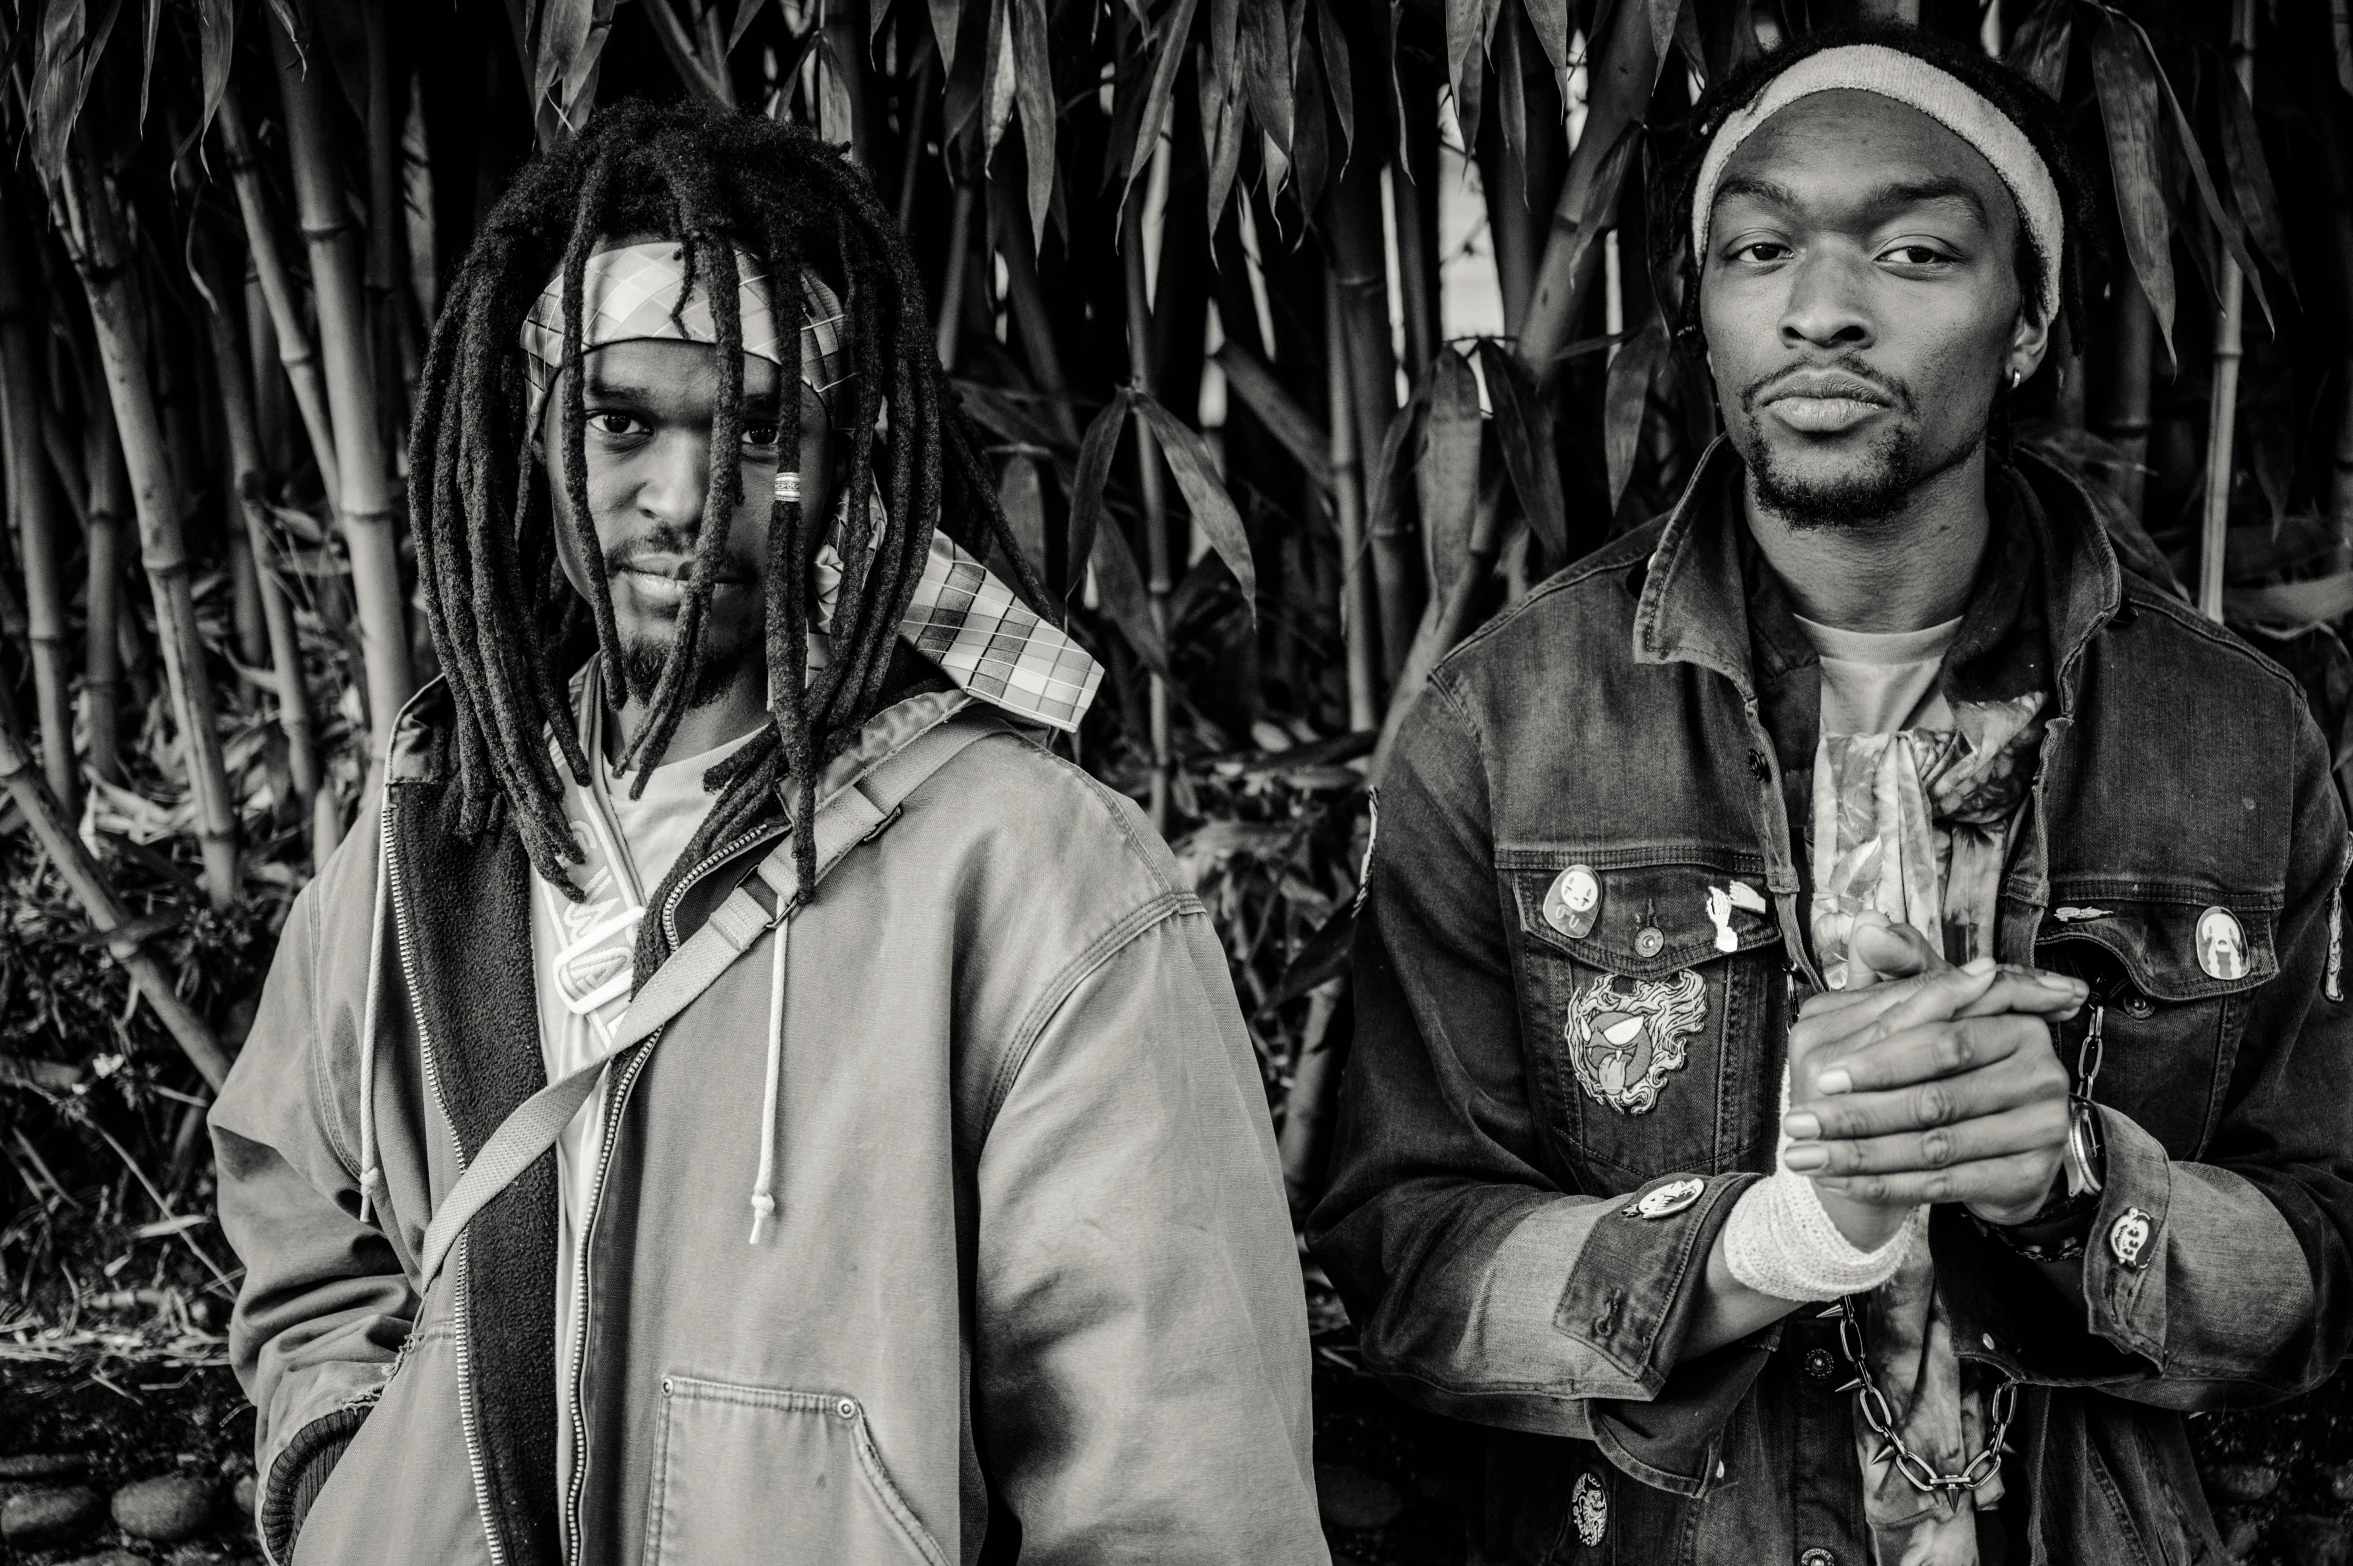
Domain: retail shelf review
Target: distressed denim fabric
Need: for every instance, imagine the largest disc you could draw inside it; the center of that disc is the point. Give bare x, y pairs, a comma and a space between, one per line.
1486, 1219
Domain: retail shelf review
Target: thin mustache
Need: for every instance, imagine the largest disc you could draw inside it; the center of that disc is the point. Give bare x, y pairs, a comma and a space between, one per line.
626, 556
1897, 391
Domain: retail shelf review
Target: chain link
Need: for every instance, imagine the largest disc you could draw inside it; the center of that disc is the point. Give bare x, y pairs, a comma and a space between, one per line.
1878, 1416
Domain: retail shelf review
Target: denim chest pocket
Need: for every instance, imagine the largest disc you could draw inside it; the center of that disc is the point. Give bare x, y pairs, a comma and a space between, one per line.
2172, 975
1650, 991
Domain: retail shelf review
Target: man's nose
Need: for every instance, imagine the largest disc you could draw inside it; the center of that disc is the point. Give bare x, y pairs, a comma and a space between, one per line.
1826, 307
677, 479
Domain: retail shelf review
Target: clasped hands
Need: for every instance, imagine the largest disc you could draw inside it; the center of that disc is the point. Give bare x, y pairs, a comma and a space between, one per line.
1922, 1082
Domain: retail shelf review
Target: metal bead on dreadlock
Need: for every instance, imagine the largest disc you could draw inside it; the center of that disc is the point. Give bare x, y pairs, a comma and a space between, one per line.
788, 485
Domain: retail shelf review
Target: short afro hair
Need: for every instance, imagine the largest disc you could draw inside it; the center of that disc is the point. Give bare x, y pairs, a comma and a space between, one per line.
1673, 177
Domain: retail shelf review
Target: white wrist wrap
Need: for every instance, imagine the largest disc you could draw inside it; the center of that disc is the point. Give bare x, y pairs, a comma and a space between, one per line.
1779, 1241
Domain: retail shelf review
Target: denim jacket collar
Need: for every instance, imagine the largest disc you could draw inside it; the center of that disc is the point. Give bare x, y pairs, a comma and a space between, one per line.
1695, 598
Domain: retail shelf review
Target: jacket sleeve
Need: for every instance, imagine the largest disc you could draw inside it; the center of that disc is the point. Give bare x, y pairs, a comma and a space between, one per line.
1485, 1285
324, 1305
2232, 1277
1141, 1359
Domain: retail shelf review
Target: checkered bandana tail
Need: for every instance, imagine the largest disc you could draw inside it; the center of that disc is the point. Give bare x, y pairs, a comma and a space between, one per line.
635, 292
983, 637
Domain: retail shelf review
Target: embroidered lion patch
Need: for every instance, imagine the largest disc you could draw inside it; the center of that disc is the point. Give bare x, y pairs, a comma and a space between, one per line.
1626, 1036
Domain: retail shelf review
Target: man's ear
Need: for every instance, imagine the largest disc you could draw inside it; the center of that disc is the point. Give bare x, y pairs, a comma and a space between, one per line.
2030, 340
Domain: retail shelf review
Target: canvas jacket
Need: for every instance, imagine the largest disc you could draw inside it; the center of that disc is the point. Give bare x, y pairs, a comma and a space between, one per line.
1031, 1283
1485, 1220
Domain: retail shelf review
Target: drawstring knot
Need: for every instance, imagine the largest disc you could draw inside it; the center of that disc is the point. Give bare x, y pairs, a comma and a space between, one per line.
764, 1183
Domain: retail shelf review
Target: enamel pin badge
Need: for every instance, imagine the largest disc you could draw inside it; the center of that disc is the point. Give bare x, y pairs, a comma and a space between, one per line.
2222, 944
1625, 1042
1573, 901
1665, 1201
1589, 1507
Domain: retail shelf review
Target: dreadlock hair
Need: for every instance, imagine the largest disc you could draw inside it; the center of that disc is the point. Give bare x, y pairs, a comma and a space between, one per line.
508, 624
1673, 179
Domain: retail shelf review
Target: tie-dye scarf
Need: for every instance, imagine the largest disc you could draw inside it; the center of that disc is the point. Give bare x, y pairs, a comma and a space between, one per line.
1915, 824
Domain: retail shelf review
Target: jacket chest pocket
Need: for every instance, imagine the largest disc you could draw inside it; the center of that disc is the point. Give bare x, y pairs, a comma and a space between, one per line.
2172, 977
1650, 996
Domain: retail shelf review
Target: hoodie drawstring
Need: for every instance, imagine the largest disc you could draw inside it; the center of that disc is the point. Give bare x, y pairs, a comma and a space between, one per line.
764, 1183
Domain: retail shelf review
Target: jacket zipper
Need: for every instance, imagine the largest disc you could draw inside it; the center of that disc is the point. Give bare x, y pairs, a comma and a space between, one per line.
617, 1100
461, 1333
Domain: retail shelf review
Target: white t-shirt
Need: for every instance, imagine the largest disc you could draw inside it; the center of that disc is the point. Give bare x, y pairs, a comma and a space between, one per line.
581, 962
1876, 682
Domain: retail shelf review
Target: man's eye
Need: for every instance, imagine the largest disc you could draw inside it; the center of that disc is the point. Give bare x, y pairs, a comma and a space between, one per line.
760, 434
1915, 254
611, 423
1760, 250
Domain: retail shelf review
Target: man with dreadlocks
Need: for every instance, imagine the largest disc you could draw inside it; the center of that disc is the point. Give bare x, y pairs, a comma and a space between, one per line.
1850, 1036
714, 897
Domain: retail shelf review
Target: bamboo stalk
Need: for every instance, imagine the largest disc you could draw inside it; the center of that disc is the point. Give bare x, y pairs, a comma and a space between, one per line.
247, 487
1307, 1107
1027, 296
2222, 411
386, 220
54, 831
952, 286
1413, 190
295, 353
102, 657
41, 549
272, 405
1360, 277
2124, 418
117, 317
1359, 618
917, 114
1157, 581
370, 498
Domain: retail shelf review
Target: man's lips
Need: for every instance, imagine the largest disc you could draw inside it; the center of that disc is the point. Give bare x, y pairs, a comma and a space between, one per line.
673, 570
1824, 402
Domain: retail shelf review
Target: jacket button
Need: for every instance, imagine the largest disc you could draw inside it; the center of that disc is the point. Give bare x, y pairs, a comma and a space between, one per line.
1649, 941
1817, 1556
847, 1408
1821, 1364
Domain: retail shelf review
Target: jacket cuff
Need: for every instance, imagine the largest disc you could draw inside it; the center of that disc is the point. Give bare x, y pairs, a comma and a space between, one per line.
1632, 1295
1673, 1442
299, 1473
2124, 1269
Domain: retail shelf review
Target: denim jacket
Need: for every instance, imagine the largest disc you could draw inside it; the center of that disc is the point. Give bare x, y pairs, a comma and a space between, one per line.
1524, 1254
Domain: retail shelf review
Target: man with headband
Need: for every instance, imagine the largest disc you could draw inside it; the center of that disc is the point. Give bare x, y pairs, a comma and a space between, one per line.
739, 1098
1850, 1032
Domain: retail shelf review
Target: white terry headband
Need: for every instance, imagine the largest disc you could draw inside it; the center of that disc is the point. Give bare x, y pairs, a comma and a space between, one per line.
1944, 98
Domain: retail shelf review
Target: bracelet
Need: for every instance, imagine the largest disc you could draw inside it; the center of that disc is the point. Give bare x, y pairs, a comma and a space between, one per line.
2045, 1239
1779, 1241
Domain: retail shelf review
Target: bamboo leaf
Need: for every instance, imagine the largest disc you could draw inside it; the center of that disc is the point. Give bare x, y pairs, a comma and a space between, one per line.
1119, 588
1548, 20
1626, 401
153, 11
2250, 179
1447, 475
1221, 103
748, 11
1467, 22
2039, 47
2186, 140
1204, 488
1311, 144
1024, 504
216, 45
2340, 15
1523, 429
1176, 27
1512, 101
2319, 601
1034, 92
1332, 44
943, 34
1663, 16
1622, 70
1002, 74
572, 35
1269, 70
1384, 481
2126, 84
1249, 378
72, 39
1094, 471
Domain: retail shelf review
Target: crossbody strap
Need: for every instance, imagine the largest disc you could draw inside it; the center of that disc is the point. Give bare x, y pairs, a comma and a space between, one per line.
850, 817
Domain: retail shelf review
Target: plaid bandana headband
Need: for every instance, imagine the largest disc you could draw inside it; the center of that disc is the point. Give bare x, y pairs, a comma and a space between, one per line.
982, 636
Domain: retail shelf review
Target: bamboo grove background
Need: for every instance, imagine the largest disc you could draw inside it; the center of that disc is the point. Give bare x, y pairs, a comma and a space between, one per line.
1280, 400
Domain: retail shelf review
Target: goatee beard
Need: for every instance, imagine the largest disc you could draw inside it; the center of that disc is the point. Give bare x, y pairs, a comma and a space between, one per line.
1877, 488
641, 671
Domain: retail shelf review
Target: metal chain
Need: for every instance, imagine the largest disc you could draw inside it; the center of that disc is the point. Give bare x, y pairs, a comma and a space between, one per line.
1878, 1415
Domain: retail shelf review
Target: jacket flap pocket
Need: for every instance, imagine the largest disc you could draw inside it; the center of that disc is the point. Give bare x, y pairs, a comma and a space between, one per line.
1642, 912
2181, 948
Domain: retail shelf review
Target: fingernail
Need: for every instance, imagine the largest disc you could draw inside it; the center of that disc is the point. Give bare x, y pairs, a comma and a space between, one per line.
1806, 1158
1802, 1126
1835, 1080
1978, 965
2060, 981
